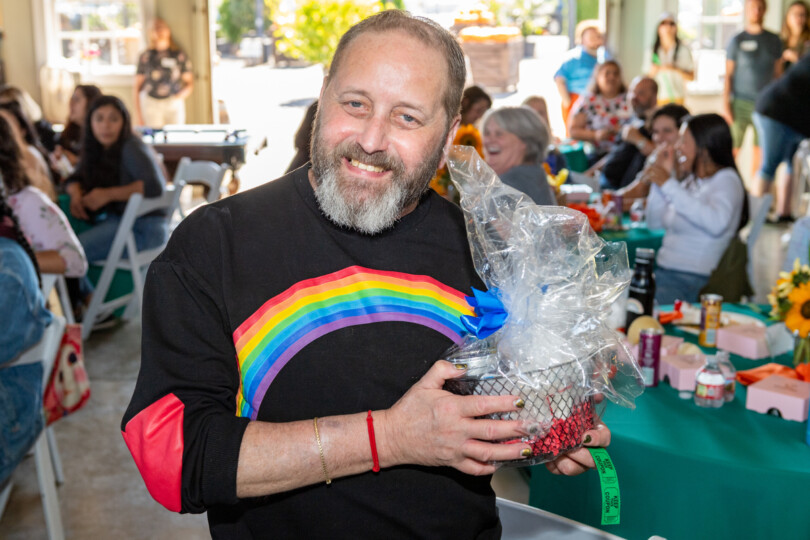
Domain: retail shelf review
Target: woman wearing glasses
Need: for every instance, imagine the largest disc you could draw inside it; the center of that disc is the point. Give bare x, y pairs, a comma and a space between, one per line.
669, 62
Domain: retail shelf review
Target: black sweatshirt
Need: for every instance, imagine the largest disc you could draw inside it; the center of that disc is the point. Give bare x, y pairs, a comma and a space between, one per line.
262, 308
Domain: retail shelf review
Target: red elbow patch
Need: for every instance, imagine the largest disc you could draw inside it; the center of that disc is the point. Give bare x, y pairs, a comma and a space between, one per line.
155, 440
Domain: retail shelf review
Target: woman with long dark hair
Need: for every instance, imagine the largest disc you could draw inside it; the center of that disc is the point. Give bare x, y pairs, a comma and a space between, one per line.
69, 143
697, 195
46, 228
114, 164
669, 62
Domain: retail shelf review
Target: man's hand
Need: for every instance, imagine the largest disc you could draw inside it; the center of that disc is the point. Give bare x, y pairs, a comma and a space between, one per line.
95, 199
431, 426
580, 460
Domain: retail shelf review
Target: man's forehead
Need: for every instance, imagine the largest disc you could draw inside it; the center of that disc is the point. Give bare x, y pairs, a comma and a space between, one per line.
373, 52
388, 41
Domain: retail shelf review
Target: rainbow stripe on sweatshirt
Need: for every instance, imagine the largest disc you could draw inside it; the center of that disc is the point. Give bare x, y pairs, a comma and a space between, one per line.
312, 308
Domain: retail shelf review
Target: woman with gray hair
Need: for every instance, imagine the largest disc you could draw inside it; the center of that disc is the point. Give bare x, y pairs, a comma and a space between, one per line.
515, 145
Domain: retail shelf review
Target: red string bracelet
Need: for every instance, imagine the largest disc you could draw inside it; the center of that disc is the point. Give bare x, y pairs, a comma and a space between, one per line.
373, 442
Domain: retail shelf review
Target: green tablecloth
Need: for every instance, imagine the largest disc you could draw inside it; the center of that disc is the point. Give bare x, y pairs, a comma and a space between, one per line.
635, 238
575, 158
686, 472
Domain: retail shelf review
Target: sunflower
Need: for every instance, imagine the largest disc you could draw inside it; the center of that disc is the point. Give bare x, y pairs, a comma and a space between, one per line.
798, 317
468, 135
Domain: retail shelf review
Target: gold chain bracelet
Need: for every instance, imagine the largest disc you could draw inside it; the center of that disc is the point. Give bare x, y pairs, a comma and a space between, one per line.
320, 450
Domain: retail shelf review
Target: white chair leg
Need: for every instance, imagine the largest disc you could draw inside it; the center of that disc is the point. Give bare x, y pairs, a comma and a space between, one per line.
56, 459
47, 489
4, 496
64, 299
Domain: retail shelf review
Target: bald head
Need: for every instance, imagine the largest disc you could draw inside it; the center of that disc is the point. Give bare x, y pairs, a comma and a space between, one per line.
643, 95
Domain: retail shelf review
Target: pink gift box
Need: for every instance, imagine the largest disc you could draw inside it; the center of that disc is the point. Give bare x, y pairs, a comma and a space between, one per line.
746, 340
681, 370
670, 344
788, 396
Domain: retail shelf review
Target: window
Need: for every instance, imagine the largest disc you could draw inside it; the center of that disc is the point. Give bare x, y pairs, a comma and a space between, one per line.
707, 26
96, 36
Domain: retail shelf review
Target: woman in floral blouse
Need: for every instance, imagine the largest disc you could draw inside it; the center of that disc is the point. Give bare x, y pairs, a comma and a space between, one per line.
598, 115
46, 228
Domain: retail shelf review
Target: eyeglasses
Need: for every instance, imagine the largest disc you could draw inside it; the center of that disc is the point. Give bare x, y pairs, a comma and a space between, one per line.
668, 23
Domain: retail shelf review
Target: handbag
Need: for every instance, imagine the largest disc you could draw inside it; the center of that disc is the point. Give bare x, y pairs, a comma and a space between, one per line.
68, 387
730, 278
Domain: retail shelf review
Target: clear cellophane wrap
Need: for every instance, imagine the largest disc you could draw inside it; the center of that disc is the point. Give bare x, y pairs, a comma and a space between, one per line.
556, 280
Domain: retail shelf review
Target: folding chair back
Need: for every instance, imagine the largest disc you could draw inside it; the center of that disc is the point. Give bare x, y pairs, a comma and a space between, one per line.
208, 173
136, 261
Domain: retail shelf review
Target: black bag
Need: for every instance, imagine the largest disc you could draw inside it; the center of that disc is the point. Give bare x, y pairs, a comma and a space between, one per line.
730, 278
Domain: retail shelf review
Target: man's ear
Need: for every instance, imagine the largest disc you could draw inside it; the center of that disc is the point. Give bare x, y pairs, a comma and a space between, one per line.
451, 136
324, 84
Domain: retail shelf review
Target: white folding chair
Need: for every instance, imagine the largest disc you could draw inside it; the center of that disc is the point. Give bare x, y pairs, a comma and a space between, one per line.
758, 208
49, 282
137, 262
44, 351
207, 173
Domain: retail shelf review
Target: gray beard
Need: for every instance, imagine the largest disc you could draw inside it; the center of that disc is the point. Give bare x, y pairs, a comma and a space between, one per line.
341, 203
356, 204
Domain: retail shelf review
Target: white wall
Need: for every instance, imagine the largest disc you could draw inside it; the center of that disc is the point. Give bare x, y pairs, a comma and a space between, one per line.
18, 45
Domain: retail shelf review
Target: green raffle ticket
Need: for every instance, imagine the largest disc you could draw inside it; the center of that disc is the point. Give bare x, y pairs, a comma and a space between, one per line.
611, 499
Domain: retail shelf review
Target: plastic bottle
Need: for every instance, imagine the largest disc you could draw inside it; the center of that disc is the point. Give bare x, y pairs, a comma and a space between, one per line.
637, 214
642, 287
710, 384
730, 374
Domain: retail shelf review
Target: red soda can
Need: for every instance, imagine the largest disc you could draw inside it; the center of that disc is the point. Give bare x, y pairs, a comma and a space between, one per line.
649, 355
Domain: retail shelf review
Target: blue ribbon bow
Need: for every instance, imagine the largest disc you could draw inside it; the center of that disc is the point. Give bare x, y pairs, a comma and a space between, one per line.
490, 311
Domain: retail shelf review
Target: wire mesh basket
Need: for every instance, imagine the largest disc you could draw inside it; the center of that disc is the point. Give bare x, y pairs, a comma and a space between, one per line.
558, 401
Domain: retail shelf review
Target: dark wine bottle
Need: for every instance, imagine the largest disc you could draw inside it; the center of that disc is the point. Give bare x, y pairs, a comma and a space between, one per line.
642, 287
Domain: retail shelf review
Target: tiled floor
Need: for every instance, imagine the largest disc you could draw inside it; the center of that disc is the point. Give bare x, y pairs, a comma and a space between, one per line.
103, 495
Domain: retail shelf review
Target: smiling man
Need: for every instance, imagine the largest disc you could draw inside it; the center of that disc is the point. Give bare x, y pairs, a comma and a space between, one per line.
289, 383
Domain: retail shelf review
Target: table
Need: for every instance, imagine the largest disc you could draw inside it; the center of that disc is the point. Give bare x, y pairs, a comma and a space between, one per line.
217, 143
690, 473
640, 237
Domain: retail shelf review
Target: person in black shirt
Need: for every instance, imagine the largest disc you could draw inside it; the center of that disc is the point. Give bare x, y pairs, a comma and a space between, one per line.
282, 324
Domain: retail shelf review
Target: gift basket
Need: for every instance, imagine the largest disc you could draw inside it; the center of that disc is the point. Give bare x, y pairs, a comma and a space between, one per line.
540, 330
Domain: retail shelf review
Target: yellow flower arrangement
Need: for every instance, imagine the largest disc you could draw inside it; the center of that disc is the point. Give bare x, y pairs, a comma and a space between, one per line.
798, 316
468, 135
790, 302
